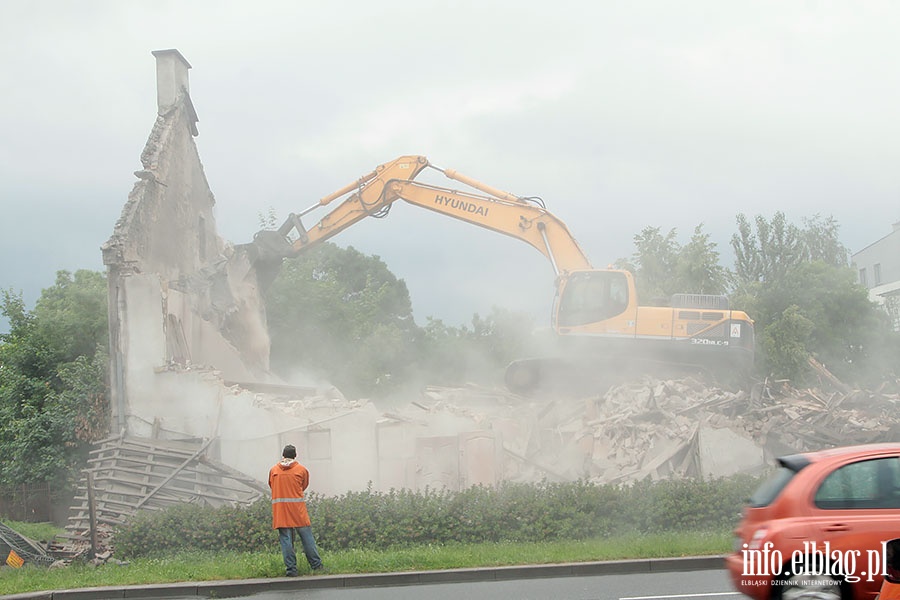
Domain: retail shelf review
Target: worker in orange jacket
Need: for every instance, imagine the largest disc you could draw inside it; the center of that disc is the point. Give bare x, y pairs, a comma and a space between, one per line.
288, 481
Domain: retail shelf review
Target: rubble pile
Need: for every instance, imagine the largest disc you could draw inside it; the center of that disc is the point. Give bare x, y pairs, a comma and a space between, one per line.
682, 427
667, 428
808, 419
69, 547
300, 401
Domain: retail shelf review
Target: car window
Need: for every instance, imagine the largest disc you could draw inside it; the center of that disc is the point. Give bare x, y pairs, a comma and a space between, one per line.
788, 466
766, 493
864, 484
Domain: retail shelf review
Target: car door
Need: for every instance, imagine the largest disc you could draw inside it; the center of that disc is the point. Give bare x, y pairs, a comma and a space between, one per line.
856, 509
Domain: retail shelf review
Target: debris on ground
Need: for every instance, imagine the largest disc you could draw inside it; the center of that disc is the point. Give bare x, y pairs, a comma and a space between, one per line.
667, 428
17, 549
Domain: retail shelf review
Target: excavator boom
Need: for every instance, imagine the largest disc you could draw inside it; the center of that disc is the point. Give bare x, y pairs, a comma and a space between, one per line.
374, 193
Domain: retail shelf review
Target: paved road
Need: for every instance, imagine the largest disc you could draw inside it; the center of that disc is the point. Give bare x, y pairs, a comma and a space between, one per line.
695, 585
699, 585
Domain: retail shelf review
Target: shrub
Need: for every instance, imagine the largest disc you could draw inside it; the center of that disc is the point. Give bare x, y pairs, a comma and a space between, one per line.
686, 504
515, 512
193, 527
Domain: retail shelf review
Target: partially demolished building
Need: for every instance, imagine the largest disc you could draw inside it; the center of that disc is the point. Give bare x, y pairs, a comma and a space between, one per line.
189, 346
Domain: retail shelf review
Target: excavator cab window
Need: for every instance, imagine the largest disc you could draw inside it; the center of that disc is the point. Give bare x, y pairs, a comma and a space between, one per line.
592, 296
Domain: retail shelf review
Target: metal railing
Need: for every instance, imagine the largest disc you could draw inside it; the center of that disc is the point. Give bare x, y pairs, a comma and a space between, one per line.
30, 503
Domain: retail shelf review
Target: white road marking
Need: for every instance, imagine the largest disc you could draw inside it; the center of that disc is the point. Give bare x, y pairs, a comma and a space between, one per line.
680, 596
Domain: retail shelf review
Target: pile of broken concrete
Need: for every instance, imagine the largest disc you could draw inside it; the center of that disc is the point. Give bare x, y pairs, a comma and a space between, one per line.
661, 429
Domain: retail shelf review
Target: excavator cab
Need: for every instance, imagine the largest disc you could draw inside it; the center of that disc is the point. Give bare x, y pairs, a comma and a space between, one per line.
586, 297
604, 337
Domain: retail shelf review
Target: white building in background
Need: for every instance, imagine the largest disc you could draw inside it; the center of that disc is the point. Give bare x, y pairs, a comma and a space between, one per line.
878, 268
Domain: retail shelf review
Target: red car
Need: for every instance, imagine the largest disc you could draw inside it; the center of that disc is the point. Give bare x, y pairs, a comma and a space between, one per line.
818, 528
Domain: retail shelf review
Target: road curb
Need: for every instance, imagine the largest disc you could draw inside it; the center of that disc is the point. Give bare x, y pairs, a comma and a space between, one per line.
246, 587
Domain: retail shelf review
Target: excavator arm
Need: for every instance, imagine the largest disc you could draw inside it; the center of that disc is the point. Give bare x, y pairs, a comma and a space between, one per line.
373, 194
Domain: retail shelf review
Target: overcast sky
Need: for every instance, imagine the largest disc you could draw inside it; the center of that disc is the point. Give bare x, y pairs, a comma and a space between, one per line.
620, 115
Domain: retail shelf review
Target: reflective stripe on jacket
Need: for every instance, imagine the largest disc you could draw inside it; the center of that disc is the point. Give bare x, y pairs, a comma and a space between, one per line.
288, 481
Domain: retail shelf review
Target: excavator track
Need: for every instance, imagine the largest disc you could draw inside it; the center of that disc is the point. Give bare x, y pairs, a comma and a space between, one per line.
596, 373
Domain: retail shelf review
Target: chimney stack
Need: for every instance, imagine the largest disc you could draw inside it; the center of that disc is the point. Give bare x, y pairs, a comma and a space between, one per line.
171, 77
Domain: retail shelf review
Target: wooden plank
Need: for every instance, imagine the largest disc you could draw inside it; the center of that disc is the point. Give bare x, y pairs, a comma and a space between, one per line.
185, 464
238, 476
123, 480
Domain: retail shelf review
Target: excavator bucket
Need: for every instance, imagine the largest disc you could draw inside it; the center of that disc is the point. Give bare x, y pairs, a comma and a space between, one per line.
270, 247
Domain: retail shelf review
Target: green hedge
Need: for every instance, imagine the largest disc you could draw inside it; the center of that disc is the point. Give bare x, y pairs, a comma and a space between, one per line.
514, 512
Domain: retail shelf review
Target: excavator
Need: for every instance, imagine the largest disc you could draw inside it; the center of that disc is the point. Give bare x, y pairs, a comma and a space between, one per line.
597, 323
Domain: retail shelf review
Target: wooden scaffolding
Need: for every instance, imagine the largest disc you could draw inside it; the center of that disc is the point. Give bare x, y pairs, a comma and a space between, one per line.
127, 474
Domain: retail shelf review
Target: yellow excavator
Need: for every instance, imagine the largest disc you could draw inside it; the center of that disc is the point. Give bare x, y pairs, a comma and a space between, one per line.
598, 324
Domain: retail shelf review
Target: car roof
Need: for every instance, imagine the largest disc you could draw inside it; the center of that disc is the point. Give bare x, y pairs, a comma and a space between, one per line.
844, 451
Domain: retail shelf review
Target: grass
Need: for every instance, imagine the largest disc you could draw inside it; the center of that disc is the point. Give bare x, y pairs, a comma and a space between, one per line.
210, 566
41, 532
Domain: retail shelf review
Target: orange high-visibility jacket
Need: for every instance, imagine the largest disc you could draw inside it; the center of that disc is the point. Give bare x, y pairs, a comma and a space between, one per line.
288, 481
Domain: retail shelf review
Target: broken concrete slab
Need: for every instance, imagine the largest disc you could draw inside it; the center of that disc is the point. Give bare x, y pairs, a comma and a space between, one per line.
724, 452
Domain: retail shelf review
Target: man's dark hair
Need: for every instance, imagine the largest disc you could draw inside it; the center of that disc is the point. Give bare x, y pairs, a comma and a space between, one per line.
289, 451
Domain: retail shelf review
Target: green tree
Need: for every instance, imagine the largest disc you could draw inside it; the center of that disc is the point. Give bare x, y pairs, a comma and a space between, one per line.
697, 268
776, 247
341, 316
663, 267
53, 391
847, 332
654, 263
345, 317
478, 353
784, 343
796, 284
821, 241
